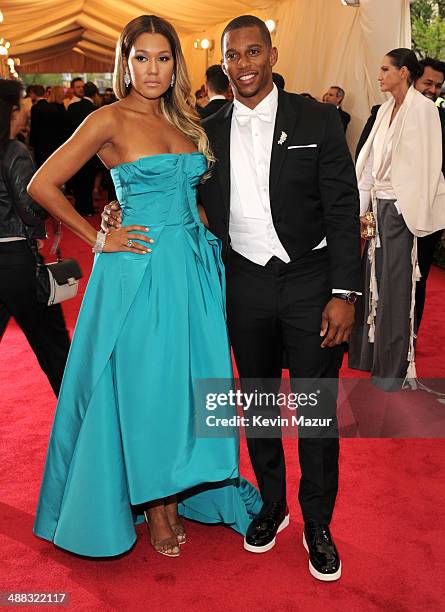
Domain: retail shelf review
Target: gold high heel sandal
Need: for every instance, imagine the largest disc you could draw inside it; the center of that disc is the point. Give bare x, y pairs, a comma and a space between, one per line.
163, 546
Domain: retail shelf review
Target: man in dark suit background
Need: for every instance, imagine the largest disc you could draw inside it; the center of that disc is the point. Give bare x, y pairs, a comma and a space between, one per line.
335, 95
83, 181
48, 125
216, 86
430, 85
42, 124
283, 199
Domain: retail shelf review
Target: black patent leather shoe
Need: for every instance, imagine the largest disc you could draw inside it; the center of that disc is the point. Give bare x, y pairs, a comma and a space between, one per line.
262, 531
324, 562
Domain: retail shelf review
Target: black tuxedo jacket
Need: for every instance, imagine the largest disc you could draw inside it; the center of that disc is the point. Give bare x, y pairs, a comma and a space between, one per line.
345, 118
370, 124
212, 107
78, 111
313, 189
48, 129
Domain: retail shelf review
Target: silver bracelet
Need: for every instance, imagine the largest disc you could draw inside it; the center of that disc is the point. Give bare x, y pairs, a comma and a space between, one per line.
100, 242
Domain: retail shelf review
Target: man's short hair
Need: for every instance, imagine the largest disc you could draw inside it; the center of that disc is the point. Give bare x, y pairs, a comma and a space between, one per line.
248, 21
90, 90
75, 80
278, 79
216, 79
435, 64
340, 91
38, 90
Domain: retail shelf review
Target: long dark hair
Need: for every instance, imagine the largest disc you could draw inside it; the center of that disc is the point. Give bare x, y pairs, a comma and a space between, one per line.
10, 94
406, 57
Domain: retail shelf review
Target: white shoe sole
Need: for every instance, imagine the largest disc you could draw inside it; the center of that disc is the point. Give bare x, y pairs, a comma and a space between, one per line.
318, 575
266, 547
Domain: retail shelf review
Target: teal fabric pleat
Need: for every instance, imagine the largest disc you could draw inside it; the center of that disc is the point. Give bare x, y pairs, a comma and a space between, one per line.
124, 432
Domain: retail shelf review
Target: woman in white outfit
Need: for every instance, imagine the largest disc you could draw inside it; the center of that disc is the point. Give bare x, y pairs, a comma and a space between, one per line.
400, 180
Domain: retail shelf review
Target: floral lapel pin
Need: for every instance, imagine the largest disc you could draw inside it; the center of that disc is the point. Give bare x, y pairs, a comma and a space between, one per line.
282, 138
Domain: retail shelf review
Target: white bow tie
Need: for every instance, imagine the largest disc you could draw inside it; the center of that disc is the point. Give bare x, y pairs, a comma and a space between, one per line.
244, 116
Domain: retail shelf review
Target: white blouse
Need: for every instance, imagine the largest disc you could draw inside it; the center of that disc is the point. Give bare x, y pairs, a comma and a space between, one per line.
377, 171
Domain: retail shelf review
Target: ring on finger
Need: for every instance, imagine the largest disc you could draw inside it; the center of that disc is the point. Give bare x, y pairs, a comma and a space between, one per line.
129, 243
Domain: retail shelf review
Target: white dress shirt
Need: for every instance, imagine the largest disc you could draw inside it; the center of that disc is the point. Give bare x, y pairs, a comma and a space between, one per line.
251, 228
377, 171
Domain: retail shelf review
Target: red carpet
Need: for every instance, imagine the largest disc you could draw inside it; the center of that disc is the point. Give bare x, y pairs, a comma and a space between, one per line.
388, 522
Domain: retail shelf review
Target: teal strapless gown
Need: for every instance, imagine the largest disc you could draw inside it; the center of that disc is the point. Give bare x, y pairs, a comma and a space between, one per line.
123, 432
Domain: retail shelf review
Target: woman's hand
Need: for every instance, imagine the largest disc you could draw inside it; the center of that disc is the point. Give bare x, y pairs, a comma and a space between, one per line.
111, 217
124, 239
367, 227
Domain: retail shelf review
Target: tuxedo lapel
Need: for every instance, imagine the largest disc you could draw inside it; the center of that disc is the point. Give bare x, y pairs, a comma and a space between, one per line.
221, 150
285, 123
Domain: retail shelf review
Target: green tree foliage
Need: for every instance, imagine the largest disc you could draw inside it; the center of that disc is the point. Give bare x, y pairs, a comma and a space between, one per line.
428, 28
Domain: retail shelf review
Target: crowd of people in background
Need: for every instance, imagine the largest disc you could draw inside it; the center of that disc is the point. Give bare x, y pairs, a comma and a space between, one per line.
55, 112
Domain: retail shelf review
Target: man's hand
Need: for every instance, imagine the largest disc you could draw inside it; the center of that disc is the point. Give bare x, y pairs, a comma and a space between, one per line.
336, 322
111, 217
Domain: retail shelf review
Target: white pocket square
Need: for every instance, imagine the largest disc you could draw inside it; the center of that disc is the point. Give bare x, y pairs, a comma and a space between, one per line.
311, 146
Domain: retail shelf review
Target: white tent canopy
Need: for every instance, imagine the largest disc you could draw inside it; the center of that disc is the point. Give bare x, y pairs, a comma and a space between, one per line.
320, 42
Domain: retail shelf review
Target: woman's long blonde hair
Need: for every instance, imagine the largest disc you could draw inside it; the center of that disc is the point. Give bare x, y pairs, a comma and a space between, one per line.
177, 103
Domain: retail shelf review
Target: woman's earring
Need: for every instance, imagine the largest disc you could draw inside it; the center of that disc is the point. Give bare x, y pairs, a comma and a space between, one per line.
172, 82
127, 79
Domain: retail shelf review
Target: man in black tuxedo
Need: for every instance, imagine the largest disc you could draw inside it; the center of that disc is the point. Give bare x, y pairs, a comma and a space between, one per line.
430, 85
283, 199
335, 95
83, 181
216, 86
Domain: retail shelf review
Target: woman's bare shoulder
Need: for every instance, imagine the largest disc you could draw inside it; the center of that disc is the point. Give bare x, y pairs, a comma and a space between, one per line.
107, 116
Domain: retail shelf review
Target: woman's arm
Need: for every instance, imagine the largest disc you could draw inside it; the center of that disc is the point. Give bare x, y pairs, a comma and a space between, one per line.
97, 129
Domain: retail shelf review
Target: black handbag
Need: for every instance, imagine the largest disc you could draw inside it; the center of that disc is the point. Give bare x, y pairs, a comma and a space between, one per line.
57, 281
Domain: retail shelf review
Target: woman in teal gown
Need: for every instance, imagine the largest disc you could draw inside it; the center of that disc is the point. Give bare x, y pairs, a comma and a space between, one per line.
124, 442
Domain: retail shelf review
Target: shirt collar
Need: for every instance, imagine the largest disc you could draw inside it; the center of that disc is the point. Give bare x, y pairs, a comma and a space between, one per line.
217, 97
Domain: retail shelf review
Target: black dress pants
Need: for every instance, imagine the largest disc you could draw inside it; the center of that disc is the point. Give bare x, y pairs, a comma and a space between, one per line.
271, 308
44, 326
425, 252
